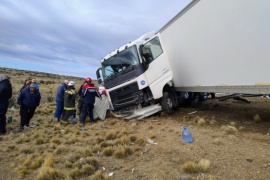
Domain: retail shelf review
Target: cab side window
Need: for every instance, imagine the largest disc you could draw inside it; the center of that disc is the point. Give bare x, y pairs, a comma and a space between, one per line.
151, 50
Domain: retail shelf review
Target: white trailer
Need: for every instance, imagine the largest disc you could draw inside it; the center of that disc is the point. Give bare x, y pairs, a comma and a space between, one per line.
210, 46
220, 46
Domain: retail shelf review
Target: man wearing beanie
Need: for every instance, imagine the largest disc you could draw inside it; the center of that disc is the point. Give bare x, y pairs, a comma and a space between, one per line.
29, 99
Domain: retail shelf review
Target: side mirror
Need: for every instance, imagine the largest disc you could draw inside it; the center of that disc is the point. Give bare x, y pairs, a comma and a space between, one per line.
98, 76
97, 73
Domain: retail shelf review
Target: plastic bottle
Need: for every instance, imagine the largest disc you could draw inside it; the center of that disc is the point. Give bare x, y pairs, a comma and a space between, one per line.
186, 135
9, 119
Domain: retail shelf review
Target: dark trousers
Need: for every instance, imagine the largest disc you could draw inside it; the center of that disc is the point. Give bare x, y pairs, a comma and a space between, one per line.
59, 109
79, 106
3, 121
26, 114
87, 109
67, 113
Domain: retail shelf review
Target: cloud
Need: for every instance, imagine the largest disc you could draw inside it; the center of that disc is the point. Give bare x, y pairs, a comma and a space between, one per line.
75, 33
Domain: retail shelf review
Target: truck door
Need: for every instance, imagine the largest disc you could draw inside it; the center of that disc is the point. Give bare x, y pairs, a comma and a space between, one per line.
155, 60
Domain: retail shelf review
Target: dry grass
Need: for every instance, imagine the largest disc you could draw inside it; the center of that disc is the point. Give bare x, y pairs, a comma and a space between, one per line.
61, 150
257, 118
56, 140
96, 148
202, 166
48, 160
108, 151
36, 163
201, 122
88, 169
57, 127
46, 173
40, 141
217, 141
229, 129
111, 135
27, 150
190, 167
116, 145
99, 175
141, 141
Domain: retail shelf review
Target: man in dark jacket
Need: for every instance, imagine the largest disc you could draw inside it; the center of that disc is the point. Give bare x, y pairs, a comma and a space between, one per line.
5, 95
60, 99
79, 98
69, 103
89, 92
29, 99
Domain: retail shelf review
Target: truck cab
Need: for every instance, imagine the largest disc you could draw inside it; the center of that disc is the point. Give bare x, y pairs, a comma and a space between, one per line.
136, 74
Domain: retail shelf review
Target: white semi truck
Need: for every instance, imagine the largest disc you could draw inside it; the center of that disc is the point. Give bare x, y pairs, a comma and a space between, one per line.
210, 46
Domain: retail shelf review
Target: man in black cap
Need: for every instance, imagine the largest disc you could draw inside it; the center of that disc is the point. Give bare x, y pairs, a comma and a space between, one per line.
5, 95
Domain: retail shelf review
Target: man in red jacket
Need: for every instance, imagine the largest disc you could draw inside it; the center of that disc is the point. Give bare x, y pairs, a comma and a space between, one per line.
89, 92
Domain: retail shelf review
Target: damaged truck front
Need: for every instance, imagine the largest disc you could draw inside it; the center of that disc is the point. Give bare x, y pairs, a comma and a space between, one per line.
135, 76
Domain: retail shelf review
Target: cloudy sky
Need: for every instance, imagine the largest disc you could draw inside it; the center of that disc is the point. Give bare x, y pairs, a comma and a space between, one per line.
70, 37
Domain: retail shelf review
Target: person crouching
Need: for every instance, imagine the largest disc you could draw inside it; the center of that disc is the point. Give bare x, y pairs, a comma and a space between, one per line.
69, 103
29, 99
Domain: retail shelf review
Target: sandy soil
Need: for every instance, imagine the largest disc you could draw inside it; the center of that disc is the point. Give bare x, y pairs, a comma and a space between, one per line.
233, 137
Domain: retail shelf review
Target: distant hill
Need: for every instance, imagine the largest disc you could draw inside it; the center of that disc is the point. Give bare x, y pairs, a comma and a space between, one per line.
48, 82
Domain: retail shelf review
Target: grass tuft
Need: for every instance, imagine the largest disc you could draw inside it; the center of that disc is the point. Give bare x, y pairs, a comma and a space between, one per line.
111, 135
257, 118
88, 169
57, 127
96, 149
108, 151
98, 175
125, 140
203, 166
46, 173
141, 141
201, 122
55, 140
229, 129
190, 167
48, 161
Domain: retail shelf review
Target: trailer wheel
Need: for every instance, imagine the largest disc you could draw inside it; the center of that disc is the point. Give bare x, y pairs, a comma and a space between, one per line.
167, 103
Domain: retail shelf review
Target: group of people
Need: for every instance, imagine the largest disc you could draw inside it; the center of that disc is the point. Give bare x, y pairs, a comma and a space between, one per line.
29, 99
66, 101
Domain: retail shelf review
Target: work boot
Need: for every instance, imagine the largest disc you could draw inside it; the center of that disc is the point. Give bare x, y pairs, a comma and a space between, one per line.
63, 122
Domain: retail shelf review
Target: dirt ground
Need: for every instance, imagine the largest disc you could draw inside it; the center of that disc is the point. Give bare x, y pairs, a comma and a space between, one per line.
232, 137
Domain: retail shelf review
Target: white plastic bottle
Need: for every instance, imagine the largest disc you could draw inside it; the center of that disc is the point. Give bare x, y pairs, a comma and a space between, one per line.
186, 135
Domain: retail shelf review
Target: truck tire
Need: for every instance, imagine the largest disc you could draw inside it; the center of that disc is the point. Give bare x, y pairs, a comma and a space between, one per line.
167, 103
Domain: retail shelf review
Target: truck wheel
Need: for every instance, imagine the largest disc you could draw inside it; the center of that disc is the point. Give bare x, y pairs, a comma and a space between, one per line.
167, 103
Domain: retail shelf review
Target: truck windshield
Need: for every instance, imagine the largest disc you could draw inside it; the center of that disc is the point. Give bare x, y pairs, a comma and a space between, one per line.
121, 63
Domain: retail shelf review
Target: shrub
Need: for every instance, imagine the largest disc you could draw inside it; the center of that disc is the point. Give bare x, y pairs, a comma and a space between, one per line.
46, 173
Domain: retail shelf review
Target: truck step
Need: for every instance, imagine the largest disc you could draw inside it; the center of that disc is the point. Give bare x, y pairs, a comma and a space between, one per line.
144, 112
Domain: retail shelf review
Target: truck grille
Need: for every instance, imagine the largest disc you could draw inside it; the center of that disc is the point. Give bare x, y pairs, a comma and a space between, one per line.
125, 96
